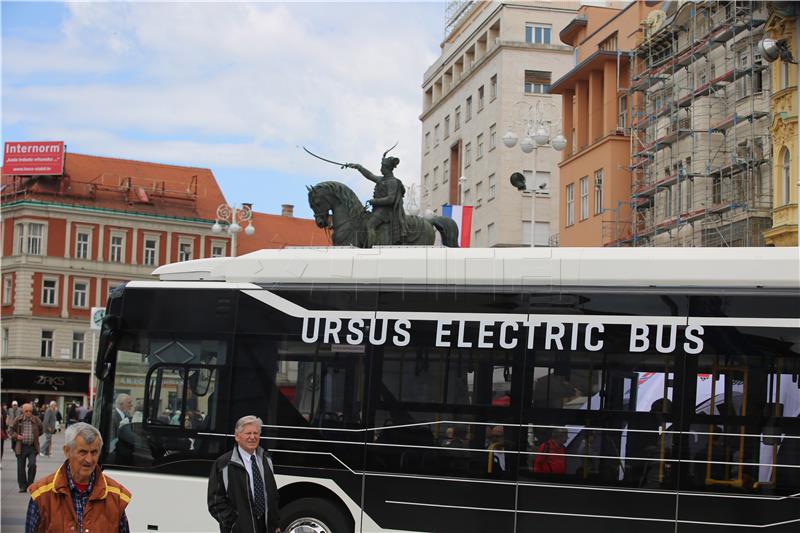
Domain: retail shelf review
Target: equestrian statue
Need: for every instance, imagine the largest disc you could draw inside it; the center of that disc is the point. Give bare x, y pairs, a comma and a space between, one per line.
337, 207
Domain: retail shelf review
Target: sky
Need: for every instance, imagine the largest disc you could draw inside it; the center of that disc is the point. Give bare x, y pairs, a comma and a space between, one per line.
234, 87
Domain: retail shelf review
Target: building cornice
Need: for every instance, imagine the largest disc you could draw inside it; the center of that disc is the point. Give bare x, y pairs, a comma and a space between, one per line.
510, 45
96, 210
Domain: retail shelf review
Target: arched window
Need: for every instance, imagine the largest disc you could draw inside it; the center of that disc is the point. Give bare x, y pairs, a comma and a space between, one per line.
786, 176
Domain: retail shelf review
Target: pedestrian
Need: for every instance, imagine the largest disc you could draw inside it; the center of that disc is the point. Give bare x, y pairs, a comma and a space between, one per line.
551, 458
78, 496
242, 493
59, 419
25, 432
49, 424
3, 430
82, 410
72, 414
13, 412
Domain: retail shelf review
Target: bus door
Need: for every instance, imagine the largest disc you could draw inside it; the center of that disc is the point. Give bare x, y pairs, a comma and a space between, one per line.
442, 454
739, 458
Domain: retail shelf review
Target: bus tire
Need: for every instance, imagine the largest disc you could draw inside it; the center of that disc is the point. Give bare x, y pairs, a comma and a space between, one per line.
313, 514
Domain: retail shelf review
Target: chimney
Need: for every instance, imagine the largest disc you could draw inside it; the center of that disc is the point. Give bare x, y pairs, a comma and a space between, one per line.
287, 210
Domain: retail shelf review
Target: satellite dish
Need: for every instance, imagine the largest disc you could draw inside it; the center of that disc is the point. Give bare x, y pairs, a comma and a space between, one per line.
654, 21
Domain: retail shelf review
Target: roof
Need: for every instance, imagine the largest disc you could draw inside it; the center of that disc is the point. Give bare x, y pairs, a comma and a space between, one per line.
582, 70
625, 267
123, 185
277, 231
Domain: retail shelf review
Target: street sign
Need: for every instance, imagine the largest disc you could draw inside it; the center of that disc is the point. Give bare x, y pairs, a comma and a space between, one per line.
96, 317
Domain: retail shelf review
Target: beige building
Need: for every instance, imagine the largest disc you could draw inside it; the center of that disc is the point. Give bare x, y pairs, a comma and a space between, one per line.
497, 63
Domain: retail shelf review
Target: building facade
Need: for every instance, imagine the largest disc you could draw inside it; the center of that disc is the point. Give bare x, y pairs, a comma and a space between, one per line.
497, 63
69, 239
594, 185
700, 147
783, 23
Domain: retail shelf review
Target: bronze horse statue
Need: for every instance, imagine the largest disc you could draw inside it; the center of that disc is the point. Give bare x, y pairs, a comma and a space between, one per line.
336, 206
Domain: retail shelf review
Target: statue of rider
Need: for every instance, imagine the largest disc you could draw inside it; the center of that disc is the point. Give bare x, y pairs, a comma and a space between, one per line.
387, 223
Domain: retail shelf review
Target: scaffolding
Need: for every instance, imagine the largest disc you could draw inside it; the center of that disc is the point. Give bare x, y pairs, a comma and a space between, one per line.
699, 142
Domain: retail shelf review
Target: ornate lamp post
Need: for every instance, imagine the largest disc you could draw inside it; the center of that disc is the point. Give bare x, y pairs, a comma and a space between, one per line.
537, 130
231, 218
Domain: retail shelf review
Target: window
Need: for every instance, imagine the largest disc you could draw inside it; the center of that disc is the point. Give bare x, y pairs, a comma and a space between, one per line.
478, 193
468, 110
82, 245
427, 141
598, 191
584, 197
479, 151
8, 289
218, 248
609, 44
185, 250
541, 233
492, 137
492, 186
622, 120
150, 251
447, 126
668, 202
537, 82
538, 33
786, 177
467, 200
541, 184
457, 124
436, 135
480, 97
435, 177
80, 294
570, 204
6, 336
784, 74
47, 344
78, 344
446, 171
467, 154
493, 87
117, 246
478, 237
30, 238
49, 291
689, 184
490, 237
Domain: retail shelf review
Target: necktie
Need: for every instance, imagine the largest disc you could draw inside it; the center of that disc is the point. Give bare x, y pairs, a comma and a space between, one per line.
258, 489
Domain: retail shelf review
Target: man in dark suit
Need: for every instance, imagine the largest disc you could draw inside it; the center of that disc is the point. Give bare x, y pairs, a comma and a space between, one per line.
242, 493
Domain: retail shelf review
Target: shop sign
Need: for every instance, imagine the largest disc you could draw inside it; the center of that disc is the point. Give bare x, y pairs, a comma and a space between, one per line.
43, 380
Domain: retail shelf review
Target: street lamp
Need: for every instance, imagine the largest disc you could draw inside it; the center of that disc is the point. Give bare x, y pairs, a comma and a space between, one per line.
536, 129
230, 218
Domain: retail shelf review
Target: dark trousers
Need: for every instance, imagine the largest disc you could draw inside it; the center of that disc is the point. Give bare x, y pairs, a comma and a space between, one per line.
28, 455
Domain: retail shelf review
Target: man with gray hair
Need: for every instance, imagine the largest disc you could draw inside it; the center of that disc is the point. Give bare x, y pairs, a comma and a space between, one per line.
242, 493
49, 423
78, 496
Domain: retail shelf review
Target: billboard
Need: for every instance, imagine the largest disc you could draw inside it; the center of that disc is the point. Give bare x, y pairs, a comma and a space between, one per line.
33, 158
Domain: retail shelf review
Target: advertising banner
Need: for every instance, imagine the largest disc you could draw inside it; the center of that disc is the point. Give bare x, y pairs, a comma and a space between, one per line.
33, 158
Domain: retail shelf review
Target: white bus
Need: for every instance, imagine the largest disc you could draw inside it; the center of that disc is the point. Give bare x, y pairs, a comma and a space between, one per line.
423, 389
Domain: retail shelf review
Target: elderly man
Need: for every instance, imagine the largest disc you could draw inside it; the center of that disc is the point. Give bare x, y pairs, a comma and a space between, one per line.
242, 494
78, 496
49, 423
119, 417
24, 433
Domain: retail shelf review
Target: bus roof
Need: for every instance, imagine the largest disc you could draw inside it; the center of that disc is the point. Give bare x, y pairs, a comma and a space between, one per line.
634, 267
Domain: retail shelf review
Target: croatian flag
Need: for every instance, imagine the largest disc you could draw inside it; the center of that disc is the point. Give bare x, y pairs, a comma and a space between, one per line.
462, 215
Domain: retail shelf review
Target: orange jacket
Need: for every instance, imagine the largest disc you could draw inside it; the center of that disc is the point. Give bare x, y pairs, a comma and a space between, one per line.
102, 513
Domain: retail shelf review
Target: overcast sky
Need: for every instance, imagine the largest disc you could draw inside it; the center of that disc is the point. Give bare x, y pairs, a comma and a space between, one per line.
232, 87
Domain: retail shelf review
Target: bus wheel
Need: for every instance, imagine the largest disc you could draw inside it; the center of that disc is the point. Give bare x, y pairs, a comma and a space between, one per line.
313, 515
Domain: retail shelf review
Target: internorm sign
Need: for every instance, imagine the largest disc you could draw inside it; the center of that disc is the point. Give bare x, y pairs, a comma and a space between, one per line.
33, 158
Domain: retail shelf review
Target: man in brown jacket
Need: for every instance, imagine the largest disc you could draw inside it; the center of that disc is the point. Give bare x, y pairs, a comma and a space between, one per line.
24, 432
78, 496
